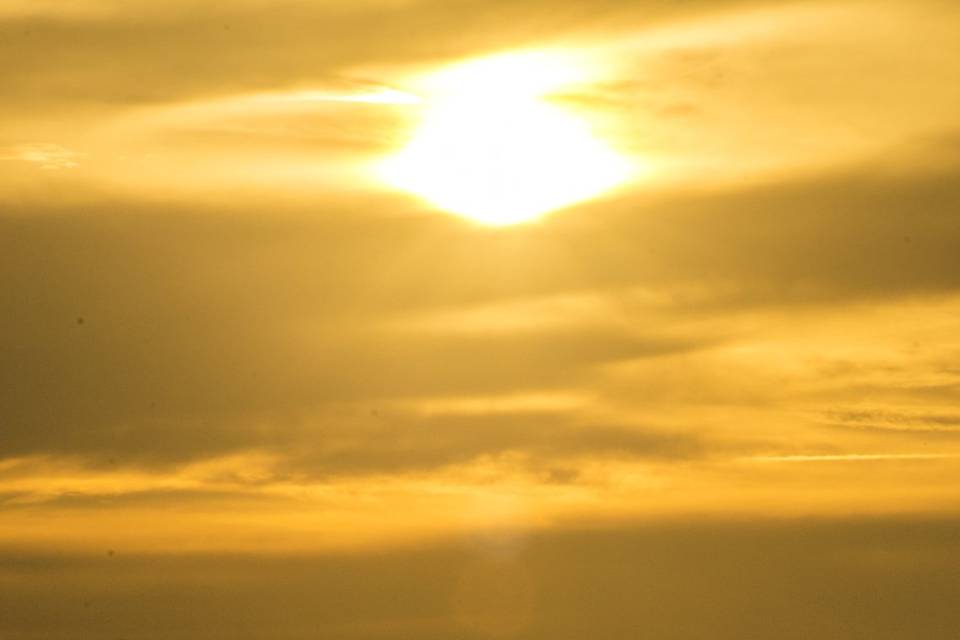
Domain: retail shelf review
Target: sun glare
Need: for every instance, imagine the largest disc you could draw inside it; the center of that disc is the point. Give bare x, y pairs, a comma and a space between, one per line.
493, 148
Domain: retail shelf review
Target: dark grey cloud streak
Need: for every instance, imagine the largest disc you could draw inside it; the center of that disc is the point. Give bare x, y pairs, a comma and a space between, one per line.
127, 321
157, 332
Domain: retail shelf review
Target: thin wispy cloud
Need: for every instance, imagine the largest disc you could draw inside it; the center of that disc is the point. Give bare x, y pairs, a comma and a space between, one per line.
45, 155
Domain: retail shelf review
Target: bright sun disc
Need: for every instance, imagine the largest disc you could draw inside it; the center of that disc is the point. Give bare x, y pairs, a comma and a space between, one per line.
492, 148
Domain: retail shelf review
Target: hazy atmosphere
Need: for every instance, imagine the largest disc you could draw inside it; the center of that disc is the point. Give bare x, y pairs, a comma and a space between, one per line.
464, 319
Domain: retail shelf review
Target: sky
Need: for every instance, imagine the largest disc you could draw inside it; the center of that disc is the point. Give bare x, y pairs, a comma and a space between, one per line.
691, 372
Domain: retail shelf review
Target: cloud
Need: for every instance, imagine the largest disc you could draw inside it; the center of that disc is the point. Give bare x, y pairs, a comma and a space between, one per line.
46, 155
859, 233
252, 45
897, 421
890, 579
150, 127
170, 333
854, 457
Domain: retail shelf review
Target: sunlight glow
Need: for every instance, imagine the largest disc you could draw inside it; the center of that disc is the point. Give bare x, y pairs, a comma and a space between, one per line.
384, 95
493, 148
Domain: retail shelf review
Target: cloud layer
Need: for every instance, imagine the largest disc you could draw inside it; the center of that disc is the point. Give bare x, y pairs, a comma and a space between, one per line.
290, 401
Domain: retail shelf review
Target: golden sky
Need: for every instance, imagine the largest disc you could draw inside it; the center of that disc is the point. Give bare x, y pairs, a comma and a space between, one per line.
442, 319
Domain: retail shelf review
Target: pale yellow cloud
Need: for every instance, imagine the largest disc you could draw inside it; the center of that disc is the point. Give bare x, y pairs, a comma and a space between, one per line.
45, 155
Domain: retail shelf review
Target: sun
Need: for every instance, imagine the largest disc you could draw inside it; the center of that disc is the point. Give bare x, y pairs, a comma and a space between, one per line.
493, 148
